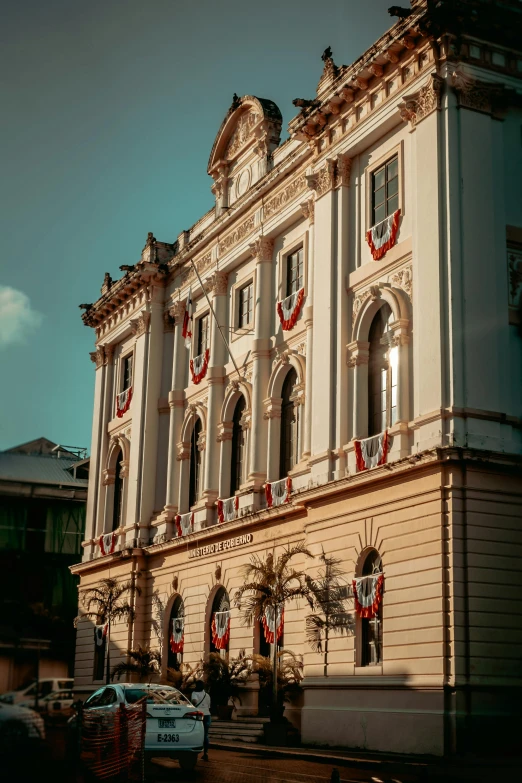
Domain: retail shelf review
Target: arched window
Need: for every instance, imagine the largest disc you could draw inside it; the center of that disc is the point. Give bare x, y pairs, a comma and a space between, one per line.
195, 465
220, 623
117, 509
176, 634
289, 426
382, 373
371, 627
237, 468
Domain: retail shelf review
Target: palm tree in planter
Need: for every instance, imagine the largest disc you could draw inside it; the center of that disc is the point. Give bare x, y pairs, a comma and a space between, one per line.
330, 593
108, 602
268, 587
145, 663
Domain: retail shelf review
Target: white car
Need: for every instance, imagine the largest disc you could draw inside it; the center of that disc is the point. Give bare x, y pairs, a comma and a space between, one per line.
19, 728
25, 695
58, 704
174, 727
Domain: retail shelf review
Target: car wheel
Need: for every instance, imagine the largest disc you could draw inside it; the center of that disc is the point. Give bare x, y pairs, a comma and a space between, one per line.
187, 761
13, 734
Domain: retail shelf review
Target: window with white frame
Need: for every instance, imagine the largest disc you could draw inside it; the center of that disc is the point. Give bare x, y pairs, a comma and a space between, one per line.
385, 190
126, 372
289, 447
245, 305
294, 272
382, 373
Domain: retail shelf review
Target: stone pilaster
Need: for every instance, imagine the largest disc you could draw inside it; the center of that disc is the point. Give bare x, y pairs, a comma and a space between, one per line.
176, 398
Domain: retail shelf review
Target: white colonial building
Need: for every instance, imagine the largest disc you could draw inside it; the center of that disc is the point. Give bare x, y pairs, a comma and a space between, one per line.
353, 380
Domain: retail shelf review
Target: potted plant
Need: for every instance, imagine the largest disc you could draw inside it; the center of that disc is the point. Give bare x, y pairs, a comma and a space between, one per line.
279, 731
224, 680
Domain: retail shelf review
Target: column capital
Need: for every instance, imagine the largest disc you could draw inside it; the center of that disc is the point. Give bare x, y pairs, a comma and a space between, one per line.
141, 324
98, 357
415, 107
343, 170
357, 353
177, 311
308, 210
474, 94
217, 284
168, 322
323, 180
262, 248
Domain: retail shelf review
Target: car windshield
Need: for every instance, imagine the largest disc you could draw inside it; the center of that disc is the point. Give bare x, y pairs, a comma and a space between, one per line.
155, 696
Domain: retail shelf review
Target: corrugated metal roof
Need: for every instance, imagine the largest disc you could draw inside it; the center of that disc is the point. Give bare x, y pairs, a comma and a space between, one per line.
38, 469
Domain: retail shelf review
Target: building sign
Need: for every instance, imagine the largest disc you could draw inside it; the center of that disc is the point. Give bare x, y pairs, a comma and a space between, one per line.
221, 546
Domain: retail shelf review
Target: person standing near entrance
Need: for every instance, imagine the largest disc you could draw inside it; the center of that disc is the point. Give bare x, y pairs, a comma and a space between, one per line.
201, 700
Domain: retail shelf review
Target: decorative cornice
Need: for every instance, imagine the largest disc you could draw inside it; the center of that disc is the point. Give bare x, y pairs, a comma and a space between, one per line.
420, 104
281, 199
262, 248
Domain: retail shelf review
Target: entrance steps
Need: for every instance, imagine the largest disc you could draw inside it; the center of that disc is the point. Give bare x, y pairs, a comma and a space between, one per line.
241, 730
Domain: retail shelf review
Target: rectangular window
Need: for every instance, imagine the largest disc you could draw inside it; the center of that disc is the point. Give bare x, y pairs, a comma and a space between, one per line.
203, 334
127, 372
246, 296
294, 272
385, 190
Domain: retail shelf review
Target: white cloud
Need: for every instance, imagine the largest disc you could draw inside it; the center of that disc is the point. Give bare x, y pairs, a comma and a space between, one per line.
17, 318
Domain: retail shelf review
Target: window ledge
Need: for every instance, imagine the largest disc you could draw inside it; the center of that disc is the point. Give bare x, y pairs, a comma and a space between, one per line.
368, 671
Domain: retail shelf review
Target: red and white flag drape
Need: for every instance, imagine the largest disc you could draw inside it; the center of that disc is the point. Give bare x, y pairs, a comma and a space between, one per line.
177, 635
221, 629
187, 321
367, 594
123, 401
107, 543
272, 628
288, 310
227, 509
382, 236
198, 366
184, 524
278, 492
371, 452
100, 632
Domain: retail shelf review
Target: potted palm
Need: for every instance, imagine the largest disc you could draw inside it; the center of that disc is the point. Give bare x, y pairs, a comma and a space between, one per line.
108, 602
143, 662
224, 680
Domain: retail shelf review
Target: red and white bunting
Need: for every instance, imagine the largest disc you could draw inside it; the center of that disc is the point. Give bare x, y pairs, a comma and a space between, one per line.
198, 366
382, 236
100, 632
184, 524
278, 492
107, 543
270, 627
187, 321
123, 401
227, 509
288, 310
370, 452
221, 629
367, 594
177, 635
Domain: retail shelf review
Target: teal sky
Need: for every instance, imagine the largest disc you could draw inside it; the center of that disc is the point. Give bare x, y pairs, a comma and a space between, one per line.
109, 112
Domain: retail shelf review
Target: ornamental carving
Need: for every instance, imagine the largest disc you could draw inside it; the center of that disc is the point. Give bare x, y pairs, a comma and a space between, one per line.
262, 248
403, 279
202, 441
177, 311
241, 134
476, 95
245, 422
225, 431
272, 408
514, 258
343, 170
168, 322
141, 324
98, 357
109, 354
281, 199
301, 349
420, 104
357, 353
323, 180
109, 477
201, 264
237, 235
248, 374
308, 210
183, 449
358, 301
218, 284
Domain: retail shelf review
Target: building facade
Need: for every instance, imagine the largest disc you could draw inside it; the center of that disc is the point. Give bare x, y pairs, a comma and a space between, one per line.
366, 275
43, 494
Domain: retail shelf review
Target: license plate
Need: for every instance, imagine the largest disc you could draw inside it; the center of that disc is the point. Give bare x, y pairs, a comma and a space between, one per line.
166, 723
168, 737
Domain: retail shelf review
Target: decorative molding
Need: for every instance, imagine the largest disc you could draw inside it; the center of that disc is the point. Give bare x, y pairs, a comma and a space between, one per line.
202, 441
272, 408
281, 199
323, 181
360, 298
124, 468
391, 56
141, 324
217, 283
98, 357
109, 477
376, 69
404, 279
177, 311
109, 353
245, 422
485, 97
247, 375
262, 248
308, 210
301, 348
357, 353
232, 239
183, 451
201, 264
420, 104
242, 133
168, 322
343, 170
225, 431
